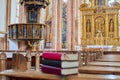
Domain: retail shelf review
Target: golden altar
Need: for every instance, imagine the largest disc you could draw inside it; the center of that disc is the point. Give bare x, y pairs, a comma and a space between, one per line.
100, 23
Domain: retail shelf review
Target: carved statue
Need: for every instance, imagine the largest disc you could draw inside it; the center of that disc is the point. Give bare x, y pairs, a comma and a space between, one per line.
88, 26
99, 38
100, 24
35, 31
111, 26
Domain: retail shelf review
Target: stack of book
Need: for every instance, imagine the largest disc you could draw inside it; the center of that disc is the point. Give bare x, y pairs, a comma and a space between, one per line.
59, 63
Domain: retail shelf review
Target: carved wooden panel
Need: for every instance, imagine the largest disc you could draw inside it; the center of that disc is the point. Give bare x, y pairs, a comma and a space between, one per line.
19, 62
20, 32
15, 32
36, 31
29, 31
2, 43
3, 59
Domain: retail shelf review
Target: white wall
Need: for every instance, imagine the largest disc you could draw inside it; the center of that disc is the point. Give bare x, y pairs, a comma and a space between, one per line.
13, 45
2, 16
14, 11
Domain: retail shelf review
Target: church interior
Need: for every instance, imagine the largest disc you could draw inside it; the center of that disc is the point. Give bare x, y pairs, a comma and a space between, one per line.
60, 40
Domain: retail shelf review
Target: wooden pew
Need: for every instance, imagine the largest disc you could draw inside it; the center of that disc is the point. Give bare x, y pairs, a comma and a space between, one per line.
26, 74
90, 54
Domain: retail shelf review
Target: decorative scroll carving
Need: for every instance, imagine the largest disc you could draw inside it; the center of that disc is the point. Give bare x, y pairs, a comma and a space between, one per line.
84, 5
115, 4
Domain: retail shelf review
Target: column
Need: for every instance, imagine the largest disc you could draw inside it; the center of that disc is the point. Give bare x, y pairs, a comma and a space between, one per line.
8, 13
28, 60
93, 27
73, 13
115, 26
106, 2
59, 25
54, 24
37, 55
92, 3
79, 21
69, 35
84, 27
106, 26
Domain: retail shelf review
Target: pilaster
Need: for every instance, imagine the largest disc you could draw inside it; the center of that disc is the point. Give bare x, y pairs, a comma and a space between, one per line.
115, 26
84, 27
107, 25
69, 36
93, 28
54, 24
8, 14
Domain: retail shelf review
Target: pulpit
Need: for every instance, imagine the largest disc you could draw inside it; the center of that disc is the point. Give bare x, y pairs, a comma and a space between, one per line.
32, 31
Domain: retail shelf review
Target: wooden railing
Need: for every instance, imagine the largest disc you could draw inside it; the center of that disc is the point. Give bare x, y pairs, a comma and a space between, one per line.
85, 56
32, 57
89, 55
22, 61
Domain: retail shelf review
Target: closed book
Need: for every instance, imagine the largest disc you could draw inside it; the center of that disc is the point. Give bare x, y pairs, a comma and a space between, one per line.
59, 56
61, 64
58, 71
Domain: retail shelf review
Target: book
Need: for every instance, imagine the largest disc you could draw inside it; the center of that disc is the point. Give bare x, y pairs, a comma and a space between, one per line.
58, 71
61, 64
59, 56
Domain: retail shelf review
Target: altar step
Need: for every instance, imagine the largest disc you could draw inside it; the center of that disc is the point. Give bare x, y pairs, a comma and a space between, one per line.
109, 58
108, 64
93, 77
99, 70
105, 64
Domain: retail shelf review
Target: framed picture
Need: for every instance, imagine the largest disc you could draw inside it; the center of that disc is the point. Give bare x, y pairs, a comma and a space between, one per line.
32, 15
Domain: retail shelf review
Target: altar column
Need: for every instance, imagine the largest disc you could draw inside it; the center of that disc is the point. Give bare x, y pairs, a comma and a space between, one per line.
93, 27
115, 26
92, 3
106, 25
84, 29
106, 1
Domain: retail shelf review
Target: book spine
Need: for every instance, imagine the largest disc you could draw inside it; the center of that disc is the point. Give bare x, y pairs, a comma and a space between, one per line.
51, 63
52, 56
50, 70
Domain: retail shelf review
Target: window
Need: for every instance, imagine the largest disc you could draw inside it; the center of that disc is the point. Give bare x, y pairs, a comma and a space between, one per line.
64, 23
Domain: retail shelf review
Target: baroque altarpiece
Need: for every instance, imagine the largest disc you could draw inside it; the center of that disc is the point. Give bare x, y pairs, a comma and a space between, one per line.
100, 23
